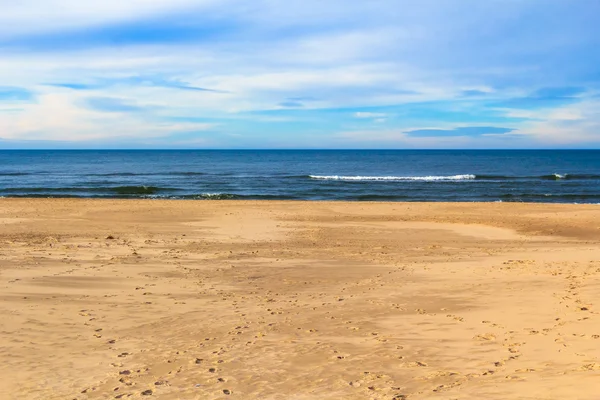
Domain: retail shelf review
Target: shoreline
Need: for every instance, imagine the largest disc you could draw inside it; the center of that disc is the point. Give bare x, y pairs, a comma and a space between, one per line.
314, 299
242, 200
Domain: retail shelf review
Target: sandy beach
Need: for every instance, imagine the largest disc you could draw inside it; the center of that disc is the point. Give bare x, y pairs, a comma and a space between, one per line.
106, 299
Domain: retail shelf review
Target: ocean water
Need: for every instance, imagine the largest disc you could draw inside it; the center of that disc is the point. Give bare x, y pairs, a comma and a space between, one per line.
563, 176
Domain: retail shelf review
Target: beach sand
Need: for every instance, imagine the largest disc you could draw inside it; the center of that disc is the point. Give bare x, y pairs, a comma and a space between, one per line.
130, 299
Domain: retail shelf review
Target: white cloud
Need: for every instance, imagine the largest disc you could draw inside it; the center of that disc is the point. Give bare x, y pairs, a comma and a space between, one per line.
55, 117
572, 124
566, 114
340, 54
362, 114
398, 139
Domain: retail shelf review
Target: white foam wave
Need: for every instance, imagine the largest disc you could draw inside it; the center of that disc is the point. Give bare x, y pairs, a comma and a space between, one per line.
215, 196
560, 176
394, 178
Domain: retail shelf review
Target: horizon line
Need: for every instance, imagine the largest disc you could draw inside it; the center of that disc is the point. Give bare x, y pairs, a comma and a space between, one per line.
302, 149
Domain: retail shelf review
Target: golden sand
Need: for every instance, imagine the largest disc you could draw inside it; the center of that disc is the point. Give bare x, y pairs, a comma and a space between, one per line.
103, 299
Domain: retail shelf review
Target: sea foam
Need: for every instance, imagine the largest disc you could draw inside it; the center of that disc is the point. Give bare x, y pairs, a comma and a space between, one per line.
393, 178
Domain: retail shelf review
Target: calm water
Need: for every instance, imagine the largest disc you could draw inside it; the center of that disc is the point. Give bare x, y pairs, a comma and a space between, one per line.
533, 176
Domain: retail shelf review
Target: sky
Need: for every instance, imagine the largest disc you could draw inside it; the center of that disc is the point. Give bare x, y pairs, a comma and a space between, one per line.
338, 74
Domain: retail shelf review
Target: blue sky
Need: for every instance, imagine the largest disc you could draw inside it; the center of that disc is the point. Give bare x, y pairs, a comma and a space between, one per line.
300, 74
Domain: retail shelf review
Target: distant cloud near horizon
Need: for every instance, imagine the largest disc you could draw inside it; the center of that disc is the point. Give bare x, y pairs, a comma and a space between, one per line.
462, 131
268, 74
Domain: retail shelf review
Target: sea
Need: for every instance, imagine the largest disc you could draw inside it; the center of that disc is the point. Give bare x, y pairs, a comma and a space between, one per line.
550, 176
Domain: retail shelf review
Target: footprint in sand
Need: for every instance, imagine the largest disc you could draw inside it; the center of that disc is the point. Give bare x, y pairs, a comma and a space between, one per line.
416, 364
590, 367
485, 337
525, 370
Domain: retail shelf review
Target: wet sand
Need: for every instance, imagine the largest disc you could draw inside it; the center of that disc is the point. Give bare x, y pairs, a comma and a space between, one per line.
104, 299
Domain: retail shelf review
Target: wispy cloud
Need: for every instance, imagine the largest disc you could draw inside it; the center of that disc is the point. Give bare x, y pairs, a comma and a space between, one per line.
543, 98
268, 73
291, 104
474, 93
363, 114
133, 81
461, 131
74, 86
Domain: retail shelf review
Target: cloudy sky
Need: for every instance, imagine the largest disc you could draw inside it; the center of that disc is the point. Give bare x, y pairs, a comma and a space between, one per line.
300, 74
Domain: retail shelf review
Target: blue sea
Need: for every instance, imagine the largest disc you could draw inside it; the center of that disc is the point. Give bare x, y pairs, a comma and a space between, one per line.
558, 176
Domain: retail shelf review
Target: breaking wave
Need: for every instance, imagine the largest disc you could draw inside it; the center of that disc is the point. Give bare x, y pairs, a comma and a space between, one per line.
393, 178
463, 177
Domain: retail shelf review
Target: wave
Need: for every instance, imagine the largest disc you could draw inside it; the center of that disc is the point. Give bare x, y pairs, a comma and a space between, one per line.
344, 178
233, 196
556, 177
133, 190
14, 173
213, 196
174, 173
135, 193
462, 177
117, 174
45, 189
115, 190
549, 177
393, 178
548, 197
571, 198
